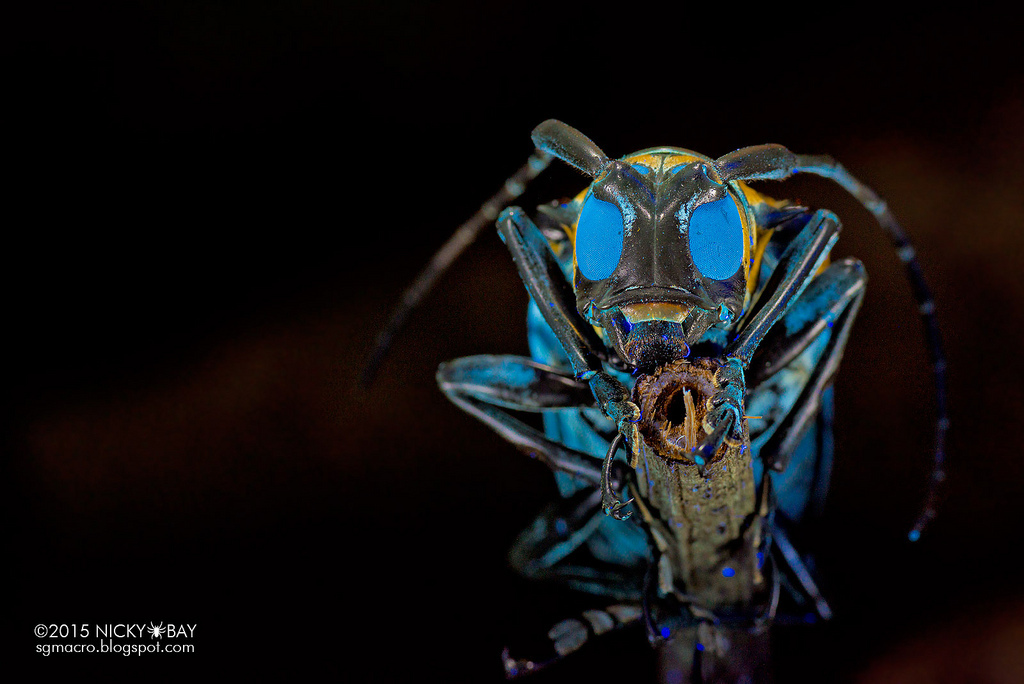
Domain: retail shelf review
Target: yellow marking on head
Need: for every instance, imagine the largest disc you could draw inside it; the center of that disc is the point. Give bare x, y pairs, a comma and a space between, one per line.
570, 231
754, 197
651, 161
763, 238
656, 311
759, 238
749, 228
673, 160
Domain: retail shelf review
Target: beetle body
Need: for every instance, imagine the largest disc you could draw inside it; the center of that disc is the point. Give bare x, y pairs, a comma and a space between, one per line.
699, 324
668, 304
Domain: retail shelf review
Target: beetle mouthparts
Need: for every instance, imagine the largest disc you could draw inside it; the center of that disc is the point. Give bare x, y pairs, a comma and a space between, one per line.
655, 343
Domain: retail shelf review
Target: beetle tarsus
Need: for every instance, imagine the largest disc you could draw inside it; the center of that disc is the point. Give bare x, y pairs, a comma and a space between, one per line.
610, 503
723, 425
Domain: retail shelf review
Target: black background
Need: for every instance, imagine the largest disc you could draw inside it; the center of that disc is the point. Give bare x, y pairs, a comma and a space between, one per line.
209, 211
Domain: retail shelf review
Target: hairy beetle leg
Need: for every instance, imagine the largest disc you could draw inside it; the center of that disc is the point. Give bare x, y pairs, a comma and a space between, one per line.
470, 383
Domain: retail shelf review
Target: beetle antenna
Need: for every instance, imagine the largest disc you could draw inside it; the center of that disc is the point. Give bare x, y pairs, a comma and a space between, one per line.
575, 149
775, 162
443, 259
833, 170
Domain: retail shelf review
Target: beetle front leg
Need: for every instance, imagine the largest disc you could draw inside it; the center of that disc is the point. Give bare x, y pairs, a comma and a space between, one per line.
546, 284
831, 301
610, 502
484, 386
795, 271
724, 419
614, 401
781, 445
554, 297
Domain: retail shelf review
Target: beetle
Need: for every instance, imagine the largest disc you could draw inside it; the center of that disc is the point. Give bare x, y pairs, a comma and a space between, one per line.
680, 316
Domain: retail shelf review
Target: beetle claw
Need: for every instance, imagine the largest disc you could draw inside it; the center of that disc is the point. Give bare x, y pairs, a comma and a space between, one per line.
699, 460
721, 427
615, 509
609, 501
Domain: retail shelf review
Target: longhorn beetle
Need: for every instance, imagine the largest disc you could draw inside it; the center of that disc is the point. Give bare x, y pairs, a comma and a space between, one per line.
697, 324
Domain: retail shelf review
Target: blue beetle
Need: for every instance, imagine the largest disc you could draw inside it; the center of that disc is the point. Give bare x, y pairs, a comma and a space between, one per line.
698, 324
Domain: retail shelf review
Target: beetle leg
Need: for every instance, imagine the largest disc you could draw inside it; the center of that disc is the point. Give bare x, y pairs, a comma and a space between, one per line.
531, 441
820, 305
797, 266
724, 422
541, 550
514, 382
610, 503
787, 434
546, 284
452, 378
780, 370
556, 532
799, 570
570, 635
775, 162
554, 297
795, 270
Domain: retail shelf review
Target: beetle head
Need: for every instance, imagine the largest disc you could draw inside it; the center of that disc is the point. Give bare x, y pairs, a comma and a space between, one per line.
661, 246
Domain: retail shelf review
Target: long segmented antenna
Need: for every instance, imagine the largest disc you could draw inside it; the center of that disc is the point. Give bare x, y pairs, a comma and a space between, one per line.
774, 162
449, 252
829, 168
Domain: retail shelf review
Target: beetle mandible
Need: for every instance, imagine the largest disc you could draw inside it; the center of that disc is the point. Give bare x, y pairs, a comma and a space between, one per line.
681, 316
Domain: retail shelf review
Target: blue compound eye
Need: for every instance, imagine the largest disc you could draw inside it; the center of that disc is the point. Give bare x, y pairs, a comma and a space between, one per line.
598, 239
716, 239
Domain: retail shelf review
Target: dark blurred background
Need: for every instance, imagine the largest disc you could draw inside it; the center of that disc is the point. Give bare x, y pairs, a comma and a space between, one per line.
210, 209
